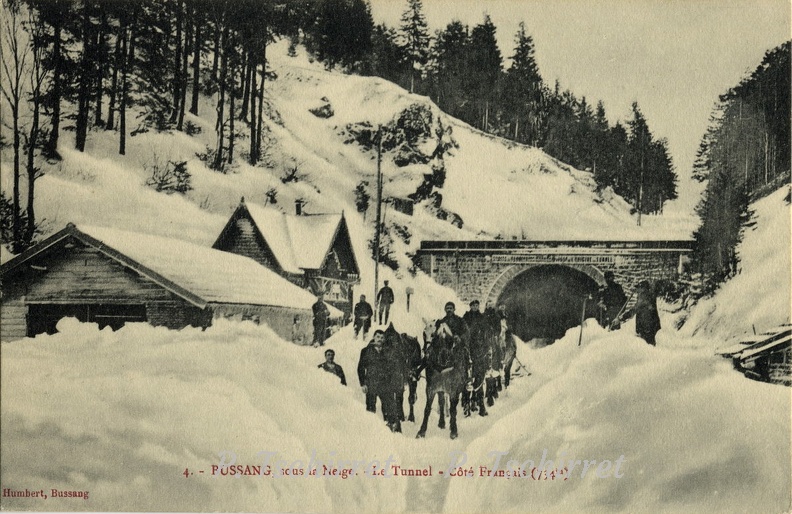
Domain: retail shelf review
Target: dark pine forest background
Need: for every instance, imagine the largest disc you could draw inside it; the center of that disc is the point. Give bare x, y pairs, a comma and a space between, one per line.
87, 65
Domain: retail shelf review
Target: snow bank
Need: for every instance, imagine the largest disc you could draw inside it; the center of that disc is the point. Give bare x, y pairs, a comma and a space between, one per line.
687, 426
759, 295
122, 414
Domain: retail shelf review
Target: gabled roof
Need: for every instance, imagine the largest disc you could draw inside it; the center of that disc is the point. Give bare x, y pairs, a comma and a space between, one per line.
298, 242
199, 275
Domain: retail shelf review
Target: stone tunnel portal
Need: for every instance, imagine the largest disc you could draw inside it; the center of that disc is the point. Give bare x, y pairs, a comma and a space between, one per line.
545, 301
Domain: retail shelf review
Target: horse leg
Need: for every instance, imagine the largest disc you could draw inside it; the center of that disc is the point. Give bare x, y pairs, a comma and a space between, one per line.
411, 399
467, 403
478, 385
453, 412
441, 396
492, 391
427, 410
400, 403
507, 372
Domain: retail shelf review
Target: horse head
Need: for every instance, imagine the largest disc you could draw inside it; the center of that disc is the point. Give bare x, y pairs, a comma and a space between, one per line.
392, 335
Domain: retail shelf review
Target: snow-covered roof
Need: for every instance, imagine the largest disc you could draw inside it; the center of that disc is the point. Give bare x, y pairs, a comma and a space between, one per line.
298, 242
213, 275
199, 274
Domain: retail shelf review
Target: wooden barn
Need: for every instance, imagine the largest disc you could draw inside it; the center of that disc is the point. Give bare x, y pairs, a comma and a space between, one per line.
112, 277
313, 251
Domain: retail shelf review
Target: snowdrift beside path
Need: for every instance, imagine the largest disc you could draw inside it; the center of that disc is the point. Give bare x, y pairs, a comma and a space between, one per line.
759, 295
695, 436
122, 414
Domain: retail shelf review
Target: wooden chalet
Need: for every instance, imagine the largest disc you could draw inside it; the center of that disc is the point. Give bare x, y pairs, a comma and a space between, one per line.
313, 251
112, 277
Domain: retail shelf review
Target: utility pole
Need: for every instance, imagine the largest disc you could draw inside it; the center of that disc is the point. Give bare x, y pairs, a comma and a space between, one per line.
379, 213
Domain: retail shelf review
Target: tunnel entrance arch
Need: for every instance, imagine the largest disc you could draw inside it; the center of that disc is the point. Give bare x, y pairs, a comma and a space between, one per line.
545, 300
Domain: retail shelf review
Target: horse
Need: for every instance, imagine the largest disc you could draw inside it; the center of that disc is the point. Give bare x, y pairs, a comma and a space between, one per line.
446, 359
409, 351
508, 349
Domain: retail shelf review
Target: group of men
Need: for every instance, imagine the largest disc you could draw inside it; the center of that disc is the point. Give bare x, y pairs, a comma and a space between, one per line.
382, 376
613, 308
363, 313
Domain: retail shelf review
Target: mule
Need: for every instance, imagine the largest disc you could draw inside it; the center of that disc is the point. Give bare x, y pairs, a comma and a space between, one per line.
447, 371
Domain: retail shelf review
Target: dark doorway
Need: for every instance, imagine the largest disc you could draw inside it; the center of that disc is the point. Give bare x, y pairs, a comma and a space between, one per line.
546, 301
43, 318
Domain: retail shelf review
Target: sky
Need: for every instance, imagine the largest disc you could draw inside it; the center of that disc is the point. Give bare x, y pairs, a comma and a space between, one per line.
674, 57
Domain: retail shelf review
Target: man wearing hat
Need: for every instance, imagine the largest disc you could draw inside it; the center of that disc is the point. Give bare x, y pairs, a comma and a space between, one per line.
376, 373
330, 366
384, 300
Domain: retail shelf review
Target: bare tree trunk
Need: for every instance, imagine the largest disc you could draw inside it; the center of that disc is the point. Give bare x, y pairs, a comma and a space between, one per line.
114, 84
177, 54
183, 73
253, 159
221, 103
99, 66
196, 63
243, 115
261, 102
51, 150
216, 56
231, 126
129, 59
81, 128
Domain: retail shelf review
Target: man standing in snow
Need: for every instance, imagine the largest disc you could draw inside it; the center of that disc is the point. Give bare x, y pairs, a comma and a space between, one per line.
363, 314
647, 320
330, 366
480, 353
384, 300
612, 300
320, 317
375, 373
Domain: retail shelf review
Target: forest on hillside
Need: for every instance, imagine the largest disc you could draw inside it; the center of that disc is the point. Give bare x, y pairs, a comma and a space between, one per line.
463, 71
744, 155
130, 66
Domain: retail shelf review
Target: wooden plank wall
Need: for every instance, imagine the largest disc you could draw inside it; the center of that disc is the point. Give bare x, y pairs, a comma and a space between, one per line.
80, 275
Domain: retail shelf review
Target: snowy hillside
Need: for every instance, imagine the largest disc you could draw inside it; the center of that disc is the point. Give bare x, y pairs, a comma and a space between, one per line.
759, 296
496, 187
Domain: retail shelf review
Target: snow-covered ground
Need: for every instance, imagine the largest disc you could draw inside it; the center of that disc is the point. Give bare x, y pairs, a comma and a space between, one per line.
123, 414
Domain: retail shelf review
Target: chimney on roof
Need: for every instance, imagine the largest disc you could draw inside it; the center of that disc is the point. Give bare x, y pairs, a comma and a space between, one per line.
242, 200
298, 206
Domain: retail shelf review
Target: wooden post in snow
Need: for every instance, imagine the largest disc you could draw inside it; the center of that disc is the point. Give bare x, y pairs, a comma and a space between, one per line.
377, 220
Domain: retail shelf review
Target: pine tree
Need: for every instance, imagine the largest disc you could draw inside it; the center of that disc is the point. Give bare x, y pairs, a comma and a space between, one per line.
414, 35
523, 90
485, 70
451, 54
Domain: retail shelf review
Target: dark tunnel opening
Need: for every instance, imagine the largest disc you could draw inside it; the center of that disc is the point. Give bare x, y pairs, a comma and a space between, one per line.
545, 301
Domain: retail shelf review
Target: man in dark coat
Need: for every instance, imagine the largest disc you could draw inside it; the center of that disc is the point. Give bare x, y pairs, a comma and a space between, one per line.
330, 366
647, 320
455, 323
379, 375
612, 300
384, 300
480, 354
363, 314
320, 316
